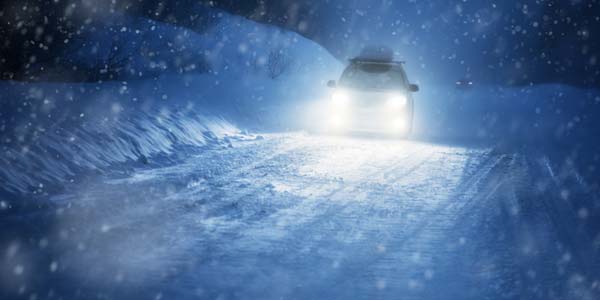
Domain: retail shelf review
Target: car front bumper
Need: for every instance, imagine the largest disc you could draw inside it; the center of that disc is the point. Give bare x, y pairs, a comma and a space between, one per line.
397, 123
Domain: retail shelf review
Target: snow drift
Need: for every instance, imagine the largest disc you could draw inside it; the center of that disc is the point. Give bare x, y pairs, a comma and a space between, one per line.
54, 133
552, 120
180, 90
540, 113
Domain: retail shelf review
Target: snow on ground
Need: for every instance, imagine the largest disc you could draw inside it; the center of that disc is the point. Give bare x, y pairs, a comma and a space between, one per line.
552, 120
53, 133
548, 112
303, 216
157, 190
257, 77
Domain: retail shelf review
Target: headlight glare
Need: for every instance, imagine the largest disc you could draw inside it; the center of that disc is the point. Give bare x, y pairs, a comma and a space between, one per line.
337, 121
398, 124
397, 101
340, 98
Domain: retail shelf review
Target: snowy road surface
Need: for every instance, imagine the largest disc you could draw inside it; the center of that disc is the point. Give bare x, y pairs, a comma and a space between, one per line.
296, 216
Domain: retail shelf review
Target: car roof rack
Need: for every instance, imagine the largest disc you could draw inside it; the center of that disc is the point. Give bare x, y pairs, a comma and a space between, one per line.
375, 61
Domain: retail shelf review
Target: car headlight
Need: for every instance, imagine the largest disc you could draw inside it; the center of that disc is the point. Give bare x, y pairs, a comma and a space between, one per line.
337, 121
398, 125
397, 102
340, 98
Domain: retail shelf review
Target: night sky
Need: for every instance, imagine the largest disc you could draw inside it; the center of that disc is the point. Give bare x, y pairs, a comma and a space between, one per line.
508, 43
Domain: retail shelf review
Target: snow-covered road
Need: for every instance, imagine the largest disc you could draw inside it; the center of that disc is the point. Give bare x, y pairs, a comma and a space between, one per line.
295, 216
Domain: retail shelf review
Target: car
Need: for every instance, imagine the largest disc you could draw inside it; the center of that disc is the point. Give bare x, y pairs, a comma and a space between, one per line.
373, 96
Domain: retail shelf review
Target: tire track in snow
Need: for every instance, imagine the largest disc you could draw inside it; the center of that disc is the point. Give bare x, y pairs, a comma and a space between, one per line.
283, 229
563, 218
234, 188
309, 208
245, 231
516, 215
123, 219
314, 213
137, 211
345, 197
462, 197
118, 210
271, 142
306, 181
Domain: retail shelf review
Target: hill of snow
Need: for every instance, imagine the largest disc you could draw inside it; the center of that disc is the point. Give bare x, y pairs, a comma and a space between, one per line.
53, 133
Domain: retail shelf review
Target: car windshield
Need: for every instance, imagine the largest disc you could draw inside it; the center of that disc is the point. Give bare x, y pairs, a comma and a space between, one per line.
372, 76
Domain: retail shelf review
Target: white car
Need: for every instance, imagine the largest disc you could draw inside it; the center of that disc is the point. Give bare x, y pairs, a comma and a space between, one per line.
372, 96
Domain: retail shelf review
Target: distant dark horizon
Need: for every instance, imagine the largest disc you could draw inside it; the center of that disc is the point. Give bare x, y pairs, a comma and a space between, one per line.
533, 42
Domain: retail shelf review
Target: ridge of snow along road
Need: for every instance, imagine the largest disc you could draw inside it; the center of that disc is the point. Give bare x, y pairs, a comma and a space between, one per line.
59, 131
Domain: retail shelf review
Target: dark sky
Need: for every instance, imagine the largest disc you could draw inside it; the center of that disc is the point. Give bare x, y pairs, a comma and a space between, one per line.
515, 42
504, 42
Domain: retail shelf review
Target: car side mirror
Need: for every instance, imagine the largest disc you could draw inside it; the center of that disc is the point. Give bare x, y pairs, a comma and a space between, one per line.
331, 84
413, 88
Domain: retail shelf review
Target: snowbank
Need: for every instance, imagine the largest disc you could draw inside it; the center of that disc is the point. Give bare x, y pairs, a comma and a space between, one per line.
541, 113
60, 131
556, 121
53, 133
